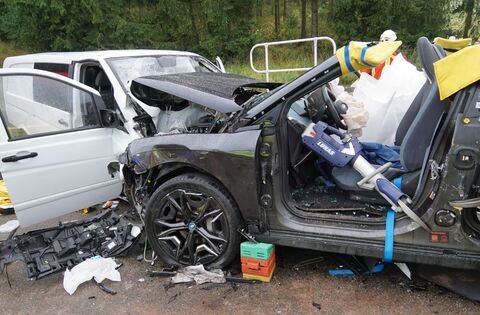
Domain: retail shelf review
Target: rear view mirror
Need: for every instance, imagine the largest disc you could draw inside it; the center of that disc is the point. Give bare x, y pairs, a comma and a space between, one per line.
109, 118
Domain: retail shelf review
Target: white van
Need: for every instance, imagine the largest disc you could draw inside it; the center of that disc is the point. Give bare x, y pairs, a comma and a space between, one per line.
109, 72
56, 157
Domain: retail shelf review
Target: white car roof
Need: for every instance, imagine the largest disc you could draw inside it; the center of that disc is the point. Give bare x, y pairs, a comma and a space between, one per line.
67, 57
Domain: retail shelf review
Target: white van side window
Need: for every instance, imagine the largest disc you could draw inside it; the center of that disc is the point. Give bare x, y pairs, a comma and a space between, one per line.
58, 108
41, 94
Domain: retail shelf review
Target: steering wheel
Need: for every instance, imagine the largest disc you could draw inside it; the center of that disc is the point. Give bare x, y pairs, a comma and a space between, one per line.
315, 106
332, 109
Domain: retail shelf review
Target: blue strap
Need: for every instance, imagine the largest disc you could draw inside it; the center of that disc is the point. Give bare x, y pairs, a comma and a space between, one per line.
362, 57
346, 55
389, 229
341, 272
398, 182
377, 268
347, 272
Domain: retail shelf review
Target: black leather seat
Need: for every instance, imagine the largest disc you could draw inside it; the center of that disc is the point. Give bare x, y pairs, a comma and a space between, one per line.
102, 83
416, 130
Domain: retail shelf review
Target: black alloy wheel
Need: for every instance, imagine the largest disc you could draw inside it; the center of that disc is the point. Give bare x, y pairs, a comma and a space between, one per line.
191, 220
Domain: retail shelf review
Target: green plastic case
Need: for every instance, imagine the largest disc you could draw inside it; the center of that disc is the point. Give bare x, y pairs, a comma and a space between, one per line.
256, 250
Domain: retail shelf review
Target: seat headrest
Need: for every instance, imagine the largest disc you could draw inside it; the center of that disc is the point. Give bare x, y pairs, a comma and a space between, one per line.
428, 53
101, 80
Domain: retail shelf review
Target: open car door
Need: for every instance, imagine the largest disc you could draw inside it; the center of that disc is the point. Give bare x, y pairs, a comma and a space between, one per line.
55, 155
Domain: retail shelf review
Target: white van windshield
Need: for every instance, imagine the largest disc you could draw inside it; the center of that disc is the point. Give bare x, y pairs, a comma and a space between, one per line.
129, 68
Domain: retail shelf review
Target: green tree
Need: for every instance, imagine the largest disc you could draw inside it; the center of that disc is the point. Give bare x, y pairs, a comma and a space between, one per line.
210, 27
469, 7
216, 27
366, 19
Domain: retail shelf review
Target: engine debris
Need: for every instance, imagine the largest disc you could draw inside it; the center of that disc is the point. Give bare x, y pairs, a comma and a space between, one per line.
51, 250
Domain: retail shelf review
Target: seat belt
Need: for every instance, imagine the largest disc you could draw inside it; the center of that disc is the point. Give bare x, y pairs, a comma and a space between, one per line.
387, 252
390, 228
389, 231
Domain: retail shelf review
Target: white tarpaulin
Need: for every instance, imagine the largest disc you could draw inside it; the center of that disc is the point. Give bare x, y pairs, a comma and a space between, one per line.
97, 268
388, 99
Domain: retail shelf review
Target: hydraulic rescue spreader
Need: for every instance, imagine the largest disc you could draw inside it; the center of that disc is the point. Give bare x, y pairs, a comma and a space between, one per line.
341, 149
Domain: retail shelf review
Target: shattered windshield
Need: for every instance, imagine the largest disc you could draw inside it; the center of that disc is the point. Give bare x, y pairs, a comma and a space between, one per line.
129, 68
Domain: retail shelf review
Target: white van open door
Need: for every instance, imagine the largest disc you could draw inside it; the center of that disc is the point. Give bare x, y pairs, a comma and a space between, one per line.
55, 155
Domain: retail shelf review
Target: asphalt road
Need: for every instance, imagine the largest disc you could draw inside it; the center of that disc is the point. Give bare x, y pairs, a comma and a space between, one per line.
305, 290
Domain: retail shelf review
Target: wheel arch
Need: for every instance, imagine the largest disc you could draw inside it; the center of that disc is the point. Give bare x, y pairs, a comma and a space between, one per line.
168, 171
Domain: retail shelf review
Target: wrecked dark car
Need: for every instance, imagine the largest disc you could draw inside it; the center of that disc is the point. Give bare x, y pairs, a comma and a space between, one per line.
246, 162
228, 153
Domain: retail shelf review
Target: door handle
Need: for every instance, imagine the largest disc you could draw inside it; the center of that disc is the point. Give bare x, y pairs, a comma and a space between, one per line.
19, 156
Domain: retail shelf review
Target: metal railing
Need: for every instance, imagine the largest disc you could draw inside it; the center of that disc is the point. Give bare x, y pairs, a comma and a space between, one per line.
315, 41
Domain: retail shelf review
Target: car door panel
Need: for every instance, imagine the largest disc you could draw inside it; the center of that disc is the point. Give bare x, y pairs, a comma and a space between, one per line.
64, 169
69, 173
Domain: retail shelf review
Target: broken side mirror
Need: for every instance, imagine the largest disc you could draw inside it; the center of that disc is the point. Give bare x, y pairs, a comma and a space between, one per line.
109, 118
219, 63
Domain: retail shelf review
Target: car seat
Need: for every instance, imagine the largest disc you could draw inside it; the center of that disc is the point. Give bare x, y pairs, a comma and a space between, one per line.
416, 129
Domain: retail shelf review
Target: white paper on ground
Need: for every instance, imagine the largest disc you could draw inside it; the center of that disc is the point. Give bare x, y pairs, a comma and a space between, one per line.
388, 99
97, 268
9, 226
199, 275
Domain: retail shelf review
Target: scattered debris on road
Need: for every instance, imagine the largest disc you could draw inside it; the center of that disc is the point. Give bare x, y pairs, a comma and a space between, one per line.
96, 269
104, 288
162, 273
199, 275
317, 305
8, 229
51, 250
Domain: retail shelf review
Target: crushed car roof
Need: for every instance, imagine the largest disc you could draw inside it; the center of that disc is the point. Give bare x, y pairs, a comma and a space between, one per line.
214, 90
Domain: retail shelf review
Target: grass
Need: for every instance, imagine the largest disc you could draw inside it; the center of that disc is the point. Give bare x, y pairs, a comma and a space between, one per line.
280, 57
7, 50
300, 56
244, 69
